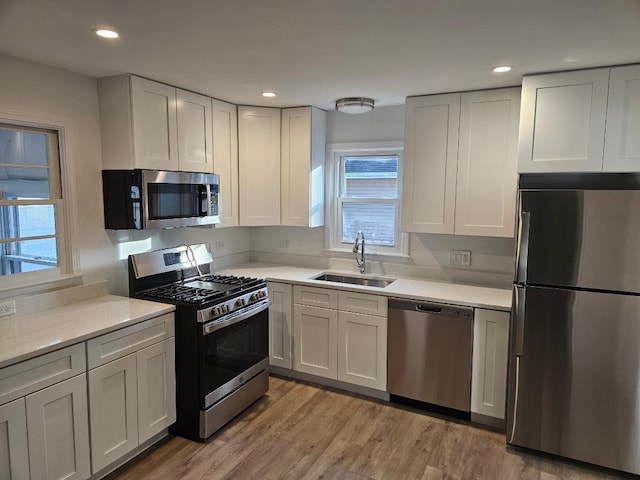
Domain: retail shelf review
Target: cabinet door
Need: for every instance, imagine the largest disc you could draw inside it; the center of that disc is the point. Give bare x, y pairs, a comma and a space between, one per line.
622, 141
302, 163
489, 369
259, 159
14, 449
430, 159
57, 422
155, 131
487, 163
315, 333
156, 388
562, 121
225, 160
195, 135
362, 350
113, 397
280, 324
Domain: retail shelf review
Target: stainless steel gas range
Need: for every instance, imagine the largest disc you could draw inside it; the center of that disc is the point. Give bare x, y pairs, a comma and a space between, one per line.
222, 334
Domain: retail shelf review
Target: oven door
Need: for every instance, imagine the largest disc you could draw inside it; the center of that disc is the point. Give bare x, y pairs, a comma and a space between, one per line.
179, 199
234, 349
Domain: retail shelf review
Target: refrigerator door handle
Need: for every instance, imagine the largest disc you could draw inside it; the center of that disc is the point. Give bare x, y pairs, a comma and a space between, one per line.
522, 252
519, 299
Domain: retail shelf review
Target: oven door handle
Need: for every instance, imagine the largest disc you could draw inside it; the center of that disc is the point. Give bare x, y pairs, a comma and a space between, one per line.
236, 317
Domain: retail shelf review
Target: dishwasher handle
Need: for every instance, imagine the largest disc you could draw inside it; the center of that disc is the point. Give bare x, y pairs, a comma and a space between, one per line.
430, 308
424, 307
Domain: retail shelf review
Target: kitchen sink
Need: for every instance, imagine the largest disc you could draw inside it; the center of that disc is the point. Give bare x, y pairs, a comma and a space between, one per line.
366, 281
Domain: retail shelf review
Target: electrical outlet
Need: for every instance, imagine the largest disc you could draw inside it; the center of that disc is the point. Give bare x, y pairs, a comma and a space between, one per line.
284, 243
460, 257
219, 245
7, 308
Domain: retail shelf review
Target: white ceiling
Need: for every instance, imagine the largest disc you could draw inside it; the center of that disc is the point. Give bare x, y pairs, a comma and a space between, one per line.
312, 52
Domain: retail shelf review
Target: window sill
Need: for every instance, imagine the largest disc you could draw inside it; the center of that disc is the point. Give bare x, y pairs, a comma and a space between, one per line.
368, 253
30, 284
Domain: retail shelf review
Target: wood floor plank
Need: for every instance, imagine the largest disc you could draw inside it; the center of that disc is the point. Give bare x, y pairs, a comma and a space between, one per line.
304, 431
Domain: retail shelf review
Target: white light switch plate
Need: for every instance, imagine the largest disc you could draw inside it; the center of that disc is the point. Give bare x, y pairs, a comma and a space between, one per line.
460, 257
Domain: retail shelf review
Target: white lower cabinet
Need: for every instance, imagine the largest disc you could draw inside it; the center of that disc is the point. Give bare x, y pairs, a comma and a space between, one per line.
362, 350
489, 370
156, 388
344, 339
114, 411
280, 324
58, 427
14, 449
315, 339
131, 397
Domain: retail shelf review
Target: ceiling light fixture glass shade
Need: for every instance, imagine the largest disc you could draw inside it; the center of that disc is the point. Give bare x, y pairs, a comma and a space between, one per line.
106, 33
355, 105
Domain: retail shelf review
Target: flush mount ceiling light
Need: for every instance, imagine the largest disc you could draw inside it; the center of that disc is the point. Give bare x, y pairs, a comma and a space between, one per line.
268, 94
355, 104
501, 69
106, 33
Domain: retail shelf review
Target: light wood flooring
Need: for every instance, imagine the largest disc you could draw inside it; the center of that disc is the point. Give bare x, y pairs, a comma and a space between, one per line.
304, 431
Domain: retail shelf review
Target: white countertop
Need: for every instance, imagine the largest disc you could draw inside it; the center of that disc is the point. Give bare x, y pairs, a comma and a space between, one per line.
410, 288
27, 336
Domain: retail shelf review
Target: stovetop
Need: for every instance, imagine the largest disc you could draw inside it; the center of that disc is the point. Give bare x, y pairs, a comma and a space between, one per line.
204, 290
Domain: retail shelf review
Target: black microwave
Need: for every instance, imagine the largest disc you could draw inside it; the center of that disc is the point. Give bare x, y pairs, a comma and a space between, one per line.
151, 199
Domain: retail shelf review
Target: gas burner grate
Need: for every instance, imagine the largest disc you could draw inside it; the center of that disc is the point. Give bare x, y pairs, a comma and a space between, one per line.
181, 293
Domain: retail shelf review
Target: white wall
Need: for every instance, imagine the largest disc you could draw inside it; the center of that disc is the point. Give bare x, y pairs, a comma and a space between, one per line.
492, 258
30, 91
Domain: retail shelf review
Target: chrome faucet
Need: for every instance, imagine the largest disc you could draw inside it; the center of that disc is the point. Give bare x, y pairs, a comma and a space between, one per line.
356, 245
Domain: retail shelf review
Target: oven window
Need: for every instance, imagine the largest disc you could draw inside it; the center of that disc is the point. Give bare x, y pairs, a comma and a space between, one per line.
173, 200
233, 349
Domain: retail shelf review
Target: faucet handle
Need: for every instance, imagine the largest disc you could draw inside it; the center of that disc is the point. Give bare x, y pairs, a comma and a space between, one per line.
355, 245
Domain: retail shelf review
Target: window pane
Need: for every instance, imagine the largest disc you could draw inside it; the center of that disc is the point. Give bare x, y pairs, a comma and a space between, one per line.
376, 220
371, 177
28, 255
27, 221
29, 148
24, 183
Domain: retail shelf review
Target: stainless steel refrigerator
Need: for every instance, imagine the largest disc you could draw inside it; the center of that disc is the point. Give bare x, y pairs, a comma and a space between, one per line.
574, 373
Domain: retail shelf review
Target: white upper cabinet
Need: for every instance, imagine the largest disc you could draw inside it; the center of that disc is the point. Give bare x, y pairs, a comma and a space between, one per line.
460, 163
430, 158
146, 124
259, 163
225, 160
622, 137
195, 142
302, 162
487, 175
562, 121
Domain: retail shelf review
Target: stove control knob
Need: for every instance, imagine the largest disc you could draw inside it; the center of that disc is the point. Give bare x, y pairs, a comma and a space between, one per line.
216, 310
254, 297
225, 308
262, 294
240, 302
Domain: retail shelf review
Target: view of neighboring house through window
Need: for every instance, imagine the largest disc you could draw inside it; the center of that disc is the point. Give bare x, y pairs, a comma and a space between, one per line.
368, 198
30, 200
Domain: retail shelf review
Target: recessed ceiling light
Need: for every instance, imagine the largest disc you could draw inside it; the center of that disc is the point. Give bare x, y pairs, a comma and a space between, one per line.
501, 69
105, 33
268, 94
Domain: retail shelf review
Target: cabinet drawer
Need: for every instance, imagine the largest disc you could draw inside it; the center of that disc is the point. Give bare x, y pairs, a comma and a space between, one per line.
31, 375
315, 296
363, 303
128, 340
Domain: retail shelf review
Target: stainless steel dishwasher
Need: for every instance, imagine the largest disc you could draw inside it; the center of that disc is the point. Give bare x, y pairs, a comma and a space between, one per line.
429, 351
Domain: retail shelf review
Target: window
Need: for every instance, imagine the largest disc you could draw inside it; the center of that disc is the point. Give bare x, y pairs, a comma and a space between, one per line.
367, 186
30, 201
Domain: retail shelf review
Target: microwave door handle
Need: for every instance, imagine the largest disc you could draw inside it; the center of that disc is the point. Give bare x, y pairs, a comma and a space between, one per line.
205, 203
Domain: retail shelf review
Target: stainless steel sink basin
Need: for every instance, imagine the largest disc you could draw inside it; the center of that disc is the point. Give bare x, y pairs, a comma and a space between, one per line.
366, 281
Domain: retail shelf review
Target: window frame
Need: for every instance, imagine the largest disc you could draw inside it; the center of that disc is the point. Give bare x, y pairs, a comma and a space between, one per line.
64, 213
333, 221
